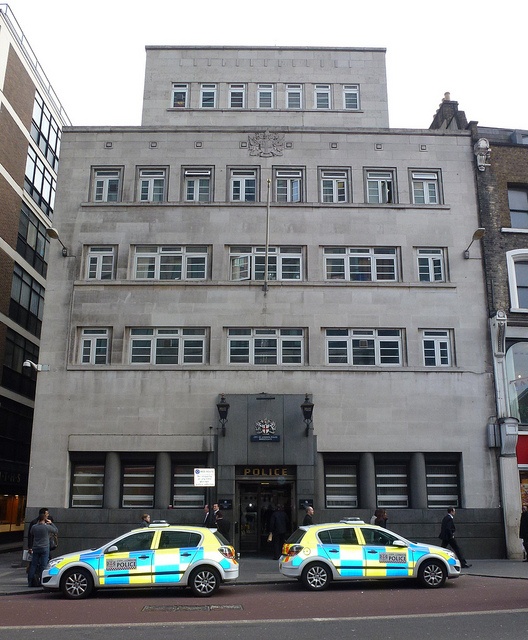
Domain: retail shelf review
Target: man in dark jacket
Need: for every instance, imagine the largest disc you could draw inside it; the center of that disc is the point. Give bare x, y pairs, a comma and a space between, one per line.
279, 527
40, 547
447, 536
523, 530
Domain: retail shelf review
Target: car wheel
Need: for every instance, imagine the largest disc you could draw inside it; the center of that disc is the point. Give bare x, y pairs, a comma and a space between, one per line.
204, 581
77, 584
432, 574
316, 576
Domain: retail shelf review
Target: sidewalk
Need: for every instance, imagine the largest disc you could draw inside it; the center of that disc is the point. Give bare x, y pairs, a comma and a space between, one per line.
253, 570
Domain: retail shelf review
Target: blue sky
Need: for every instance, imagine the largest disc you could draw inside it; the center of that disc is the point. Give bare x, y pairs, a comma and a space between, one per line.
94, 53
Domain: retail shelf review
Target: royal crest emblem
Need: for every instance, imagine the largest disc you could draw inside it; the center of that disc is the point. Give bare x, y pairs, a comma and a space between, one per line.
265, 427
266, 144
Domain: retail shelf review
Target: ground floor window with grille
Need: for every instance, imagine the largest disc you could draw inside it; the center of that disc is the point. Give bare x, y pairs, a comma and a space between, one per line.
341, 486
138, 486
87, 485
443, 484
184, 494
392, 485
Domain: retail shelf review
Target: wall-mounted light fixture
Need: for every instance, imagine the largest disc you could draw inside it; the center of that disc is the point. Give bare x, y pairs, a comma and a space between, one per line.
53, 233
223, 410
477, 235
36, 367
307, 411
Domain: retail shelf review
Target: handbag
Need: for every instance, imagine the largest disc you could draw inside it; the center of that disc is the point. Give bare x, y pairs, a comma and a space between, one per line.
54, 541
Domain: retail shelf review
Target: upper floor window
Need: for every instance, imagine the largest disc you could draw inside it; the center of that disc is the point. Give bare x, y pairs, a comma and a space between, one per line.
32, 241
171, 345
364, 347
380, 187
517, 262
40, 182
518, 203
180, 96
197, 184
94, 348
107, 185
170, 262
265, 96
351, 96
322, 96
100, 262
45, 131
425, 187
288, 185
376, 264
334, 185
266, 346
152, 185
243, 185
436, 348
431, 266
294, 96
237, 96
26, 306
249, 263
208, 96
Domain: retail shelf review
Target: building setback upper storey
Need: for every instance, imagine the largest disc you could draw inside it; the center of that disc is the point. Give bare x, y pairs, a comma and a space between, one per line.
293, 87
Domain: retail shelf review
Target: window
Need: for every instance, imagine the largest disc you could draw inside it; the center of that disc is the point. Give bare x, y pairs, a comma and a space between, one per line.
138, 488
517, 375
87, 485
266, 346
46, 132
346, 535
436, 348
518, 203
377, 264
380, 187
150, 345
443, 484
179, 540
197, 184
243, 185
208, 96
425, 188
265, 97
322, 96
237, 96
248, 263
170, 262
107, 184
392, 485
351, 97
100, 263
26, 306
341, 486
294, 96
152, 185
334, 186
364, 347
40, 183
431, 265
184, 494
95, 346
288, 185
14, 376
32, 241
180, 96
517, 262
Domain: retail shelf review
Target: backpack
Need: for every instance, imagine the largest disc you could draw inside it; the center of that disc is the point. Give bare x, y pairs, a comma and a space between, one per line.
54, 541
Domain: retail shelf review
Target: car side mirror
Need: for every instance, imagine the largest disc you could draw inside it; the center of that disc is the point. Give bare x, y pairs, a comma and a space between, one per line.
112, 549
399, 543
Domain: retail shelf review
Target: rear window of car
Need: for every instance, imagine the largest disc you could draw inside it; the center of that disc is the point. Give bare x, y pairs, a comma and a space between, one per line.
346, 535
178, 539
221, 538
296, 536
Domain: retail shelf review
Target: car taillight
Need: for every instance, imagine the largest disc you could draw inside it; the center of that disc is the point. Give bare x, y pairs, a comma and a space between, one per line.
291, 550
228, 552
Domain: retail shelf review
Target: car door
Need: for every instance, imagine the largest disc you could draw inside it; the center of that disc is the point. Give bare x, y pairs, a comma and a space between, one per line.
341, 547
128, 561
176, 551
381, 556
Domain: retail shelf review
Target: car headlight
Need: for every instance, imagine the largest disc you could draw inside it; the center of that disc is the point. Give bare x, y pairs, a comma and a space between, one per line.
53, 562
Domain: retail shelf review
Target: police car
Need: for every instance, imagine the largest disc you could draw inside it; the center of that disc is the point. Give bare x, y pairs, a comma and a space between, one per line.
318, 554
155, 556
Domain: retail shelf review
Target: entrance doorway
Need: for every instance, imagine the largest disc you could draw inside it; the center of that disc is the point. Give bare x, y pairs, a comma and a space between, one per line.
257, 501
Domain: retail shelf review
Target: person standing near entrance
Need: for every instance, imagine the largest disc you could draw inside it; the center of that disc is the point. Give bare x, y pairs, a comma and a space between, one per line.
308, 518
278, 529
40, 548
208, 520
447, 536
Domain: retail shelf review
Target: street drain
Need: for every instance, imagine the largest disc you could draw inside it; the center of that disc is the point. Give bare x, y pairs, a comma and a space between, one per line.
192, 607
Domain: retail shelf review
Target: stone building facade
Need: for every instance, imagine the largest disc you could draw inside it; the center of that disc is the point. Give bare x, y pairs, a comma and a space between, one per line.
31, 118
266, 281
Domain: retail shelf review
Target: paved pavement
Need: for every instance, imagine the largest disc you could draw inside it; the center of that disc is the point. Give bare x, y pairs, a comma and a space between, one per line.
253, 570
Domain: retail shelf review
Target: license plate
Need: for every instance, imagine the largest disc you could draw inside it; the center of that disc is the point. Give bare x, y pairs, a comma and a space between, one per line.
393, 558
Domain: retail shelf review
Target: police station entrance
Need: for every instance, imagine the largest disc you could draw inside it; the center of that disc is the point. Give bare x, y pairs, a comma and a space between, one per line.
259, 493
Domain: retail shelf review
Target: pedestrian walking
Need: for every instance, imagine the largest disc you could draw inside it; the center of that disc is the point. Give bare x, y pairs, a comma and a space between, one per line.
447, 536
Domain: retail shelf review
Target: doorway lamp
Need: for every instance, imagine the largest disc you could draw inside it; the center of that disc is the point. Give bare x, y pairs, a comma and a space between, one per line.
53, 233
223, 410
477, 235
307, 411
